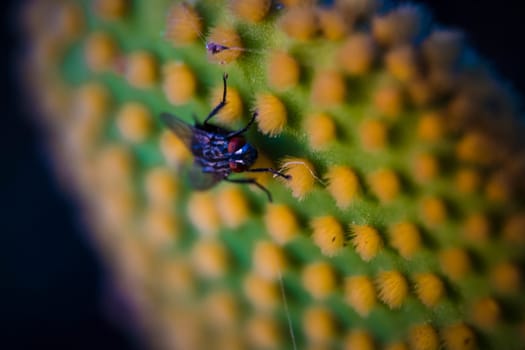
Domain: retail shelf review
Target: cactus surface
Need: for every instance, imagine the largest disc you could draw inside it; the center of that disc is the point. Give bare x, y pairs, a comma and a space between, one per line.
403, 223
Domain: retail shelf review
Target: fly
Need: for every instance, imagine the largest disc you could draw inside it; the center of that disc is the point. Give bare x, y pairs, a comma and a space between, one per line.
218, 152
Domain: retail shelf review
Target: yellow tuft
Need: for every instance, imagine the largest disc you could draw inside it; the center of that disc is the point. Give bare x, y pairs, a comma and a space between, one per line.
160, 227
320, 130
328, 88
281, 223
498, 188
115, 165
476, 228
388, 101
405, 238
271, 117
319, 325
373, 134
423, 337
111, 9
459, 337
358, 339
210, 258
401, 63
118, 205
262, 294
384, 184
161, 186
183, 24
283, 70
299, 22
433, 211
203, 213
250, 10
485, 313
328, 235
222, 310
232, 206
179, 83
263, 332
134, 122
356, 54
474, 147
319, 279
442, 48
269, 260
173, 149
177, 277
429, 288
343, 185
360, 294
70, 20
425, 167
505, 278
467, 180
455, 263
396, 346
392, 288
430, 126
366, 241
302, 176
514, 228
232, 111
90, 103
141, 69
398, 26
333, 24
100, 52
421, 92
228, 42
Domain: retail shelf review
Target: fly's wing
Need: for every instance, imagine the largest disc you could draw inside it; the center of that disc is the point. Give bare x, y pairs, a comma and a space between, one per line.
200, 180
183, 130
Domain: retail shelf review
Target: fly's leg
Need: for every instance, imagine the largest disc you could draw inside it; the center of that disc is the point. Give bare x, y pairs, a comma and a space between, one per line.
222, 103
243, 130
251, 182
270, 170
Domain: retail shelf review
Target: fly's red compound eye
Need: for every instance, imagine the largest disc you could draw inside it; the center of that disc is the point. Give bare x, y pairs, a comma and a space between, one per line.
235, 143
237, 167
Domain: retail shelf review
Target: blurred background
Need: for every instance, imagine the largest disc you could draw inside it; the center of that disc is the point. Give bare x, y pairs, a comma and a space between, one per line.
54, 290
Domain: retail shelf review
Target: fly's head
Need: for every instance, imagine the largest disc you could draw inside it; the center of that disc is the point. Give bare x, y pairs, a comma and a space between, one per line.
242, 154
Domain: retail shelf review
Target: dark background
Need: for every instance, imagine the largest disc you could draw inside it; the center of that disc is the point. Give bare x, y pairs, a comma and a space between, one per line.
52, 287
